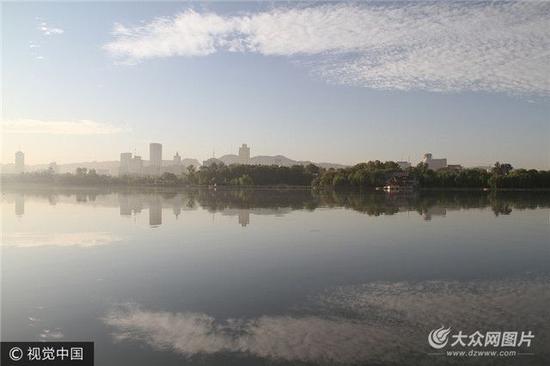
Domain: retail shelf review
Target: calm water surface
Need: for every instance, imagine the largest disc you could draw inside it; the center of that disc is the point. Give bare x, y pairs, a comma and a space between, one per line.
273, 277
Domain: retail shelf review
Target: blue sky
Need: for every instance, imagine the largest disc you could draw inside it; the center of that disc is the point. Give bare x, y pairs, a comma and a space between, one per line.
338, 82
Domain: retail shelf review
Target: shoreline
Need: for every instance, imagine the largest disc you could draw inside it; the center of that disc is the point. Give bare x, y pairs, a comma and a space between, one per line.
12, 185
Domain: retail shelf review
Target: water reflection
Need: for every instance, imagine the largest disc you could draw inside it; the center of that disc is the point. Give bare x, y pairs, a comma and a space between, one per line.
370, 323
130, 204
244, 217
244, 203
19, 205
155, 212
272, 277
41, 239
434, 211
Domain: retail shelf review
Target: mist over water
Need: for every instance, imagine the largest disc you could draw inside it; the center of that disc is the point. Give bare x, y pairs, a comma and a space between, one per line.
272, 277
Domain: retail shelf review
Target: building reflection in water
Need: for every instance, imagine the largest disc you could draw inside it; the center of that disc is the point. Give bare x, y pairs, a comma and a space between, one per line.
19, 204
244, 216
155, 212
176, 206
52, 199
242, 205
130, 204
434, 211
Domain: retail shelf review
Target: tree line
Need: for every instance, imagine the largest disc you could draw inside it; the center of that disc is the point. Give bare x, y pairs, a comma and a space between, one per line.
363, 176
375, 174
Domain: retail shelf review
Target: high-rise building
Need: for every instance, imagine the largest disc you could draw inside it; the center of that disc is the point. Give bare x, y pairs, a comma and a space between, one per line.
19, 162
177, 159
155, 157
244, 154
434, 164
136, 165
130, 165
125, 163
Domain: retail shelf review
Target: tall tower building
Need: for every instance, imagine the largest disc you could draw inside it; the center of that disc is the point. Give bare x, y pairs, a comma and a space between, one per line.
125, 163
155, 157
177, 159
19, 162
244, 154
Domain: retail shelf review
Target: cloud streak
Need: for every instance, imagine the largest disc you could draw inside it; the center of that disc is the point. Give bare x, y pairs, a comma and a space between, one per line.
436, 46
49, 30
82, 127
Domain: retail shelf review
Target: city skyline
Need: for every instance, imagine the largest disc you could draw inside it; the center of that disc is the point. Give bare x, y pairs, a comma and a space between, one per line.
133, 164
225, 77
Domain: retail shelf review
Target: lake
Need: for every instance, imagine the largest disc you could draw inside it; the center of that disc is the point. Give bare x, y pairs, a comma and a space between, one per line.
274, 277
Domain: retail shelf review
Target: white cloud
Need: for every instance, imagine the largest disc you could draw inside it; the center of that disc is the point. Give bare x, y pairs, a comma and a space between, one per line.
48, 30
437, 46
188, 34
83, 127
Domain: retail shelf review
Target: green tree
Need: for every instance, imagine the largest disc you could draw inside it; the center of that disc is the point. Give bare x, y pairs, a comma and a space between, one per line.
245, 180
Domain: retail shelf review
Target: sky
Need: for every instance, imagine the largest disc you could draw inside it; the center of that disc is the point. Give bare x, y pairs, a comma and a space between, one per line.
326, 82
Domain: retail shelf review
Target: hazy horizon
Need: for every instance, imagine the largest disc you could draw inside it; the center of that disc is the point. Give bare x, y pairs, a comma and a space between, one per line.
334, 82
145, 157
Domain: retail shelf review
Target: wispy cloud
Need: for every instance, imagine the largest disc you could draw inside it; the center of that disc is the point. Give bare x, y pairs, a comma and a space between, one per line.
45, 30
436, 46
48, 30
83, 127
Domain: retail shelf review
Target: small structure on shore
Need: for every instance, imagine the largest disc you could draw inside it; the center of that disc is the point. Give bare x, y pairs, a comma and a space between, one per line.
400, 182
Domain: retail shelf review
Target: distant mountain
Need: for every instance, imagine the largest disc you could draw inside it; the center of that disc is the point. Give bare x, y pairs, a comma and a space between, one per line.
103, 167
229, 159
275, 160
185, 162
112, 167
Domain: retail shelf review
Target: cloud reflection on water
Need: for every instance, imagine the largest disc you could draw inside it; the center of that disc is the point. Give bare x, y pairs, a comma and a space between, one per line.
279, 337
354, 324
78, 239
